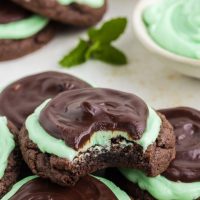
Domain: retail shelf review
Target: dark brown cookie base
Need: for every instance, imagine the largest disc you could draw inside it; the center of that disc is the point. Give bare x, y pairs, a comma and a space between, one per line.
155, 160
13, 168
74, 14
12, 49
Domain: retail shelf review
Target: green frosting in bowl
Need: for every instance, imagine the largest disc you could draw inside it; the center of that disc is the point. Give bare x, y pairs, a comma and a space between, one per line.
161, 188
24, 28
175, 26
7, 145
49, 144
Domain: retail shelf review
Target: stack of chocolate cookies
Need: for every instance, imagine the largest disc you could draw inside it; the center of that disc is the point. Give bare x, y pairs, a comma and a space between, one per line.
25, 25
65, 131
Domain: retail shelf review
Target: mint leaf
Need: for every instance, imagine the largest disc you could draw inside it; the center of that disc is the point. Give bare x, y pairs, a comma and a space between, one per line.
109, 54
92, 33
109, 32
92, 49
98, 46
76, 56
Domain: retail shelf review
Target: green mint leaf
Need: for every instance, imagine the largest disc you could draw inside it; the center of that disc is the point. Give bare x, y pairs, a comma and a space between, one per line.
94, 47
76, 56
93, 33
109, 54
99, 45
109, 32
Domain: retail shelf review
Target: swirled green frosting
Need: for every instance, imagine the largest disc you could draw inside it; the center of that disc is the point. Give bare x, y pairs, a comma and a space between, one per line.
175, 26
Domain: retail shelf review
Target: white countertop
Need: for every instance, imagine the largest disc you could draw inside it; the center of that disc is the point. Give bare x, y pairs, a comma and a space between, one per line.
145, 75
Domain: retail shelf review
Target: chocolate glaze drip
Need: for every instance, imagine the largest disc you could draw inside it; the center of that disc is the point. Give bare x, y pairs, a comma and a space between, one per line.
9, 12
74, 116
186, 123
87, 188
19, 99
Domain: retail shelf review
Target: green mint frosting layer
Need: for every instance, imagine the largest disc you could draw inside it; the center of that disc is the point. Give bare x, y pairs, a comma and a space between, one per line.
91, 3
175, 26
161, 188
152, 130
17, 186
24, 28
7, 145
121, 195
49, 144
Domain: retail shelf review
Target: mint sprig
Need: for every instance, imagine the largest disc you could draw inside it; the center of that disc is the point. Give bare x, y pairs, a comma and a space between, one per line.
76, 56
99, 45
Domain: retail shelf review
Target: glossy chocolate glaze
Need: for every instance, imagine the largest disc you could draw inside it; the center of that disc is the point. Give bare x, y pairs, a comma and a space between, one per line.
20, 98
88, 188
186, 123
9, 12
74, 116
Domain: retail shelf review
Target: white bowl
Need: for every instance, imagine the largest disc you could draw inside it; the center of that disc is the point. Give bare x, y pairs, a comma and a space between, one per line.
184, 65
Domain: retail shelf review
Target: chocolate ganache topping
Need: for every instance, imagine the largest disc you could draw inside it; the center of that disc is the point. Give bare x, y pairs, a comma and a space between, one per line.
19, 99
186, 123
86, 188
9, 12
74, 116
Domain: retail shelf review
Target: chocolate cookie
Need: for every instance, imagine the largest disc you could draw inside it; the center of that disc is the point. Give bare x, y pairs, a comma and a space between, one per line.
181, 180
18, 36
19, 99
81, 131
10, 158
89, 187
131, 188
81, 13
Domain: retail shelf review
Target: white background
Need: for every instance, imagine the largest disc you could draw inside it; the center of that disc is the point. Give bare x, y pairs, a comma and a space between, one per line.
145, 75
